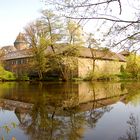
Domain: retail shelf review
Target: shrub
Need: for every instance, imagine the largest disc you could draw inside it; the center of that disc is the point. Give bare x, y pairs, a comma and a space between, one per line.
23, 77
6, 75
105, 77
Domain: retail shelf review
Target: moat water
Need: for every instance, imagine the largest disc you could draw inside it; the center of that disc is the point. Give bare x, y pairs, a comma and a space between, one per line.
70, 111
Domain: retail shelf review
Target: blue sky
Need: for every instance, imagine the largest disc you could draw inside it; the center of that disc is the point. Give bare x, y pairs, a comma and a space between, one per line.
14, 16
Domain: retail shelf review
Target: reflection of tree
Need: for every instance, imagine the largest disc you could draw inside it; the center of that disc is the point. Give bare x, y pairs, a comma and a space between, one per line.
95, 114
43, 124
132, 132
47, 124
74, 124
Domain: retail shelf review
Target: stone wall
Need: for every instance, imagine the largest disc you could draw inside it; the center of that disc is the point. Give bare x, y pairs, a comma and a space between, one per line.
85, 65
108, 67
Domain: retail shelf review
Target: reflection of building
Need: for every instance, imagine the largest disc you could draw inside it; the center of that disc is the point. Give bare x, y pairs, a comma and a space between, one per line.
62, 95
56, 107
17, 57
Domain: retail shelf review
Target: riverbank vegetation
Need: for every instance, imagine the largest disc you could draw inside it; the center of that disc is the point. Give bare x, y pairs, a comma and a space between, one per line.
132, 70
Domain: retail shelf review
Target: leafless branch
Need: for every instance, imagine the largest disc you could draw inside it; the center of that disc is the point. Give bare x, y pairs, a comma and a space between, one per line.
104, 18
120, 6
124, 27
126, 38
91, 4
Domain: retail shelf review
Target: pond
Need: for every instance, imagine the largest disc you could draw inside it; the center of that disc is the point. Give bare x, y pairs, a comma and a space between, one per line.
70, 111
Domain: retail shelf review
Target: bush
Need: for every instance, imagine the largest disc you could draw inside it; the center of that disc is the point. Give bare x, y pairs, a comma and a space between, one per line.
105, 77
128, 75
23, 77
6, 75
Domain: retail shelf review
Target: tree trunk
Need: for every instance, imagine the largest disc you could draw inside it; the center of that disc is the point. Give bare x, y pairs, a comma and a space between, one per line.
40, 75
64, 76
93, 59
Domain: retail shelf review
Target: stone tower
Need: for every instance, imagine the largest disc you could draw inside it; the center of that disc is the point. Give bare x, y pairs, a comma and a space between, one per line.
20, 42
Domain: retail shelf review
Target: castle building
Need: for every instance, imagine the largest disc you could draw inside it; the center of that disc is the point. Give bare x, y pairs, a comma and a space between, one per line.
17, 56
17, 59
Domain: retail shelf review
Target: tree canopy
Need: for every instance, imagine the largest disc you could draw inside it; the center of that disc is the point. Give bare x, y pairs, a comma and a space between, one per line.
54, 44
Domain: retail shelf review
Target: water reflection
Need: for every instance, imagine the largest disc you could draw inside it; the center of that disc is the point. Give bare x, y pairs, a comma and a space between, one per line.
133, 129
57, 111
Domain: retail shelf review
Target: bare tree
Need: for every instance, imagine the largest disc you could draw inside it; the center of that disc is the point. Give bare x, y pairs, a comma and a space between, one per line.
121, 32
